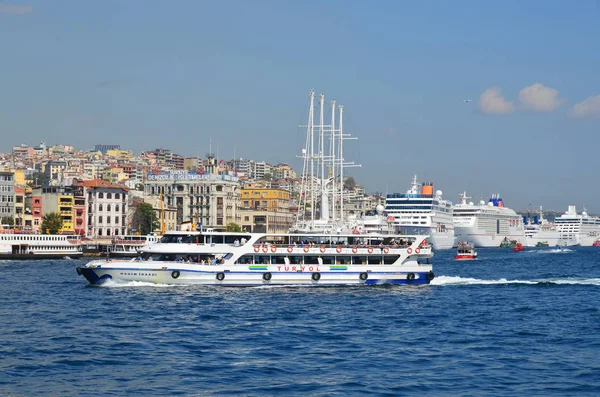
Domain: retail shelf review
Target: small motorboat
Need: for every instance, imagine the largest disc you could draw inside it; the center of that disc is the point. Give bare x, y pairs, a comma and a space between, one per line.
465, 251
518, 247
596, 243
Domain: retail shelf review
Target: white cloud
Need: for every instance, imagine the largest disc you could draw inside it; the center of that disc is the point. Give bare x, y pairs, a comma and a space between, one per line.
492, 101
6, 8
540, 98
589, 107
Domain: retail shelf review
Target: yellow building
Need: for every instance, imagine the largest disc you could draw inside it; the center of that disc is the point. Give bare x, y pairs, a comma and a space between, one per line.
265, 210
65, 206
265, 199
119, 154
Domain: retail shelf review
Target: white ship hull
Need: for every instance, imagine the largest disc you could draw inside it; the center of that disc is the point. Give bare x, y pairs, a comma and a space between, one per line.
479, 238
442, 241
253, 276
552, 237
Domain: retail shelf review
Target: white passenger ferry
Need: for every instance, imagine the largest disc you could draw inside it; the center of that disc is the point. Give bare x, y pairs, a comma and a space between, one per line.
581, 227
420, 211
328, 249
487, 225
16, 245
255, 259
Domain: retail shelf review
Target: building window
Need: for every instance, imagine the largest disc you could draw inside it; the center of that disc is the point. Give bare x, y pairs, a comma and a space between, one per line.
116, 220
108, 195
99, 232
116, 232
100, 219
100, 207
219, 221
247, 219
117, 196
219, 188
108, 207
117, 208
108, 220
100, 195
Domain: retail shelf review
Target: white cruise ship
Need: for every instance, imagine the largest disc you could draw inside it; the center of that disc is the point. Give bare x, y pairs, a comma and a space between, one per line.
487, 224
584, 228
540, 232
420, 211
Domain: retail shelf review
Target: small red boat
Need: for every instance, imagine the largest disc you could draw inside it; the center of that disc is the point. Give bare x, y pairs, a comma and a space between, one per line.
465, 251
518, 247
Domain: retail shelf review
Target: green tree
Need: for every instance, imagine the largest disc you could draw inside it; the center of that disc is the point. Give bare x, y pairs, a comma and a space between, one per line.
7, 220
234, 227
145, 220
349, 183
37, 179
51, 223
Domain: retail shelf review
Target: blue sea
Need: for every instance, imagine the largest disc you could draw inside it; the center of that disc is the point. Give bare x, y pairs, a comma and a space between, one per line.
507, 324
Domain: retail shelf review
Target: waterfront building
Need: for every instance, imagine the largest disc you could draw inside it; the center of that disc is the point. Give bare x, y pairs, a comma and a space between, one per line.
107, 206
209, 199
7, 194
58, 199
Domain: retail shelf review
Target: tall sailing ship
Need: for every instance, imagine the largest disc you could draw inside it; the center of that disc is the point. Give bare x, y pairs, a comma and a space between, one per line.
323, 248
420, 211
487, 224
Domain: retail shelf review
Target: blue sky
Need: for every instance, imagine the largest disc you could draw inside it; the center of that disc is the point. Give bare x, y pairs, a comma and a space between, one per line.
147, 74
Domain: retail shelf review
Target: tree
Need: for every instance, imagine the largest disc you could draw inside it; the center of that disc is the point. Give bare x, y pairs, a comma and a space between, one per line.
234, 227
7, 220
349, 183
37, 179
144, 219
52, 223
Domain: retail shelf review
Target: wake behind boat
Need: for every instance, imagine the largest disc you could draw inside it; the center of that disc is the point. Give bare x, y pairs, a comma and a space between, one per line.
254, 259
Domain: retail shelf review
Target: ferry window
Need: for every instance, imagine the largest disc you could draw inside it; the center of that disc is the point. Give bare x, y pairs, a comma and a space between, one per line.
278, 260
359, 260
375, 260
328, 260
343, 260
390, 259
311, 260
295, 260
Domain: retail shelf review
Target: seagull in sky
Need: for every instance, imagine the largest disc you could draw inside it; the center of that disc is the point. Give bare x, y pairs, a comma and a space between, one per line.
467, 100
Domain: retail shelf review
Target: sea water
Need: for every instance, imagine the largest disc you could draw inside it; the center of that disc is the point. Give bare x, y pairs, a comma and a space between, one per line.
511, 324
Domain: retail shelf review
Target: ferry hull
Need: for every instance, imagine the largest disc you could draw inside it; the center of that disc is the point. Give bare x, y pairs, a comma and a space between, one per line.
243, 276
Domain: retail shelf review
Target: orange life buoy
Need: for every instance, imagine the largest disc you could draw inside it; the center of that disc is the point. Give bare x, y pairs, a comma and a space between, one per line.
265, 248
355, 249
290, 248
306, 249
370, 249
322, 249
256, 248
409, 250
417, 250
339, 249
386, 250
273, 248
424, 243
